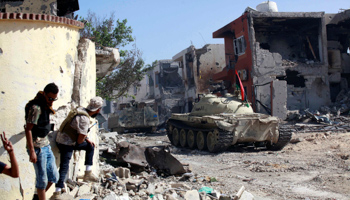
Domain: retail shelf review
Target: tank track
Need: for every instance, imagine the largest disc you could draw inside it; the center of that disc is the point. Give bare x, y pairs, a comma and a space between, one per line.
224, 141
285, 135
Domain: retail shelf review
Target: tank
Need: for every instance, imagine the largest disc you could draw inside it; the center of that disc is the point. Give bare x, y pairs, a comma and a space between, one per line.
135, 116
216, 123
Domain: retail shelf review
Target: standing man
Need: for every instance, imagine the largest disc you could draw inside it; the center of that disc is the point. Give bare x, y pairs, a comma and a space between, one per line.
73, 136
37, 115
12, 170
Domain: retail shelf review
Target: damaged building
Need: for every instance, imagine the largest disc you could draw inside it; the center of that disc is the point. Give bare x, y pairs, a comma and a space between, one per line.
175, 84
161, 89
287, 60
167, 88
198, 66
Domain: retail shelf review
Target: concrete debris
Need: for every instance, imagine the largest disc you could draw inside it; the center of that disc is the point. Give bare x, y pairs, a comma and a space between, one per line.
132, 154
138, 186
334, 117
163, 177
157, 158
161, 160
192, 195
318, 118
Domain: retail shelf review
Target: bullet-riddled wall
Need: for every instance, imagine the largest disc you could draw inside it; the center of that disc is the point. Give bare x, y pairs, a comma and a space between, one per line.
36, 50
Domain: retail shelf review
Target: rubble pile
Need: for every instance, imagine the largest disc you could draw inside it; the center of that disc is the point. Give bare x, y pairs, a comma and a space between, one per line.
316, 122
144, 173
341, 105
335, 118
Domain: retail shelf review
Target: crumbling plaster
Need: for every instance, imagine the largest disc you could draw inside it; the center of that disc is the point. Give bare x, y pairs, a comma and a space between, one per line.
210, 60
35, 53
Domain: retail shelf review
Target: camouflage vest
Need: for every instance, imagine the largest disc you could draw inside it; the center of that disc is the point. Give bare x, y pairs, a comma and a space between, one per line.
65, 126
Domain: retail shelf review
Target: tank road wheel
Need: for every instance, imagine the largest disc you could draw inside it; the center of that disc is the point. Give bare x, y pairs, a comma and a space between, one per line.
213, 141
201, 140
170, 128
183, 139
175, 137
169, 133
191, 139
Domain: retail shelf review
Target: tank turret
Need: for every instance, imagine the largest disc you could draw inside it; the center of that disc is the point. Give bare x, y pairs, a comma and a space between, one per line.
210, 104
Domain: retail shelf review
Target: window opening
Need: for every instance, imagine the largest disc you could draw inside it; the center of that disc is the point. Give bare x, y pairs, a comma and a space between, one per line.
239, 45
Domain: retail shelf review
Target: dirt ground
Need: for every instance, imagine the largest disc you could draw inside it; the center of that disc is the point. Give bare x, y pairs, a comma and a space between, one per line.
317, 167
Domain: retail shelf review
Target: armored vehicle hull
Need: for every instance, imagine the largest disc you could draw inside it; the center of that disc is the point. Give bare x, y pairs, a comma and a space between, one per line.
231, 122
137, 117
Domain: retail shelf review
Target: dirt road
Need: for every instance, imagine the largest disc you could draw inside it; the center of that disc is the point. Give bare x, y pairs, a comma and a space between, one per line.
317, 167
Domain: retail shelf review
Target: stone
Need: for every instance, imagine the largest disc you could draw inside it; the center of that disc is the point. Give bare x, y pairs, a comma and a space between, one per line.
111, 196
151, 188
84, 189
159, 189
74, 192
124, 197
158, 197
170, 197
122, 172
247, 196
192, 195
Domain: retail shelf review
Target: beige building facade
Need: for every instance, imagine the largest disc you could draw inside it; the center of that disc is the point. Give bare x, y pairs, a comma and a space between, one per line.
37, 49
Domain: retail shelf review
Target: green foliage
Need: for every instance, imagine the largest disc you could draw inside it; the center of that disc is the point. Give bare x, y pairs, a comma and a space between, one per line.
130, 72
108, 32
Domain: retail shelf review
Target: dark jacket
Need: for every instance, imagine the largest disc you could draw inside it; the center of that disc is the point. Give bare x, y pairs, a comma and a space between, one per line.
43, 127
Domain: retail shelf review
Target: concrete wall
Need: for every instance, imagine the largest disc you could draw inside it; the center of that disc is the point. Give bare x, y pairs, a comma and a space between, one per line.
309, 88
279, 99
32, 54
280, 54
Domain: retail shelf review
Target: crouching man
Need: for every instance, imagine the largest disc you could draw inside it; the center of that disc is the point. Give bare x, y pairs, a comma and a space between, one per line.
72, 136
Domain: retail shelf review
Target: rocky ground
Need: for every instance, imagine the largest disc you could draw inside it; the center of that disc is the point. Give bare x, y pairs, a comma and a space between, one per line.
313, 166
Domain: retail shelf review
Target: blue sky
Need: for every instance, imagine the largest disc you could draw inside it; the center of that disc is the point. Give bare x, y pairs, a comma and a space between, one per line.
163, 28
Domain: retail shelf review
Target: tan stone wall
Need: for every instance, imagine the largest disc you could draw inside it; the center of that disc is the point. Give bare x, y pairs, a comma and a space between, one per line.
32, 54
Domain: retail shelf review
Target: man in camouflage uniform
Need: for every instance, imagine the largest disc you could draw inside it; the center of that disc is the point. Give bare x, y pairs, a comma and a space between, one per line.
73, 136
37, 128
